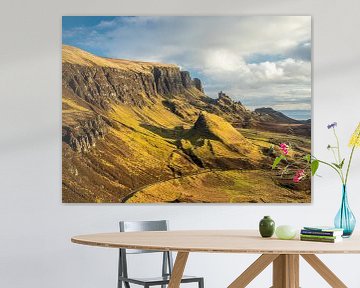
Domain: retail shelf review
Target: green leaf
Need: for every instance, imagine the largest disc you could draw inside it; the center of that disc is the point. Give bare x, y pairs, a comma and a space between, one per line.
339, 166
342, 163
314, 167
277, 161
307, 158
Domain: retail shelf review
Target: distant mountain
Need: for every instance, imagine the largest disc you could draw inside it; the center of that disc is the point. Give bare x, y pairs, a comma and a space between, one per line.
275, 116
272, 120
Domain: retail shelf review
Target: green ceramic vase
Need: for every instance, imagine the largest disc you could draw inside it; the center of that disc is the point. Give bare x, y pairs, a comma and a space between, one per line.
267, 227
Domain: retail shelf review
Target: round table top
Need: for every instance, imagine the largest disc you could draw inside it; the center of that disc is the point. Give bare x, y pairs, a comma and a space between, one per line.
217, 241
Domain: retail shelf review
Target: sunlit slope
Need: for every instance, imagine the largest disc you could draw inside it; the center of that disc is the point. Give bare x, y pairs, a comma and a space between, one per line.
131, 154
215, 143
232, 186
76, 56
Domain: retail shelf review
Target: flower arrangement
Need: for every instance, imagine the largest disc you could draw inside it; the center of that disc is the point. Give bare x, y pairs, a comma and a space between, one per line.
344, 219
339, 162
311, 163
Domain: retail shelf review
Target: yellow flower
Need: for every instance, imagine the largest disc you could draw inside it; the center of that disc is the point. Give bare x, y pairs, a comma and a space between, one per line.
355, 138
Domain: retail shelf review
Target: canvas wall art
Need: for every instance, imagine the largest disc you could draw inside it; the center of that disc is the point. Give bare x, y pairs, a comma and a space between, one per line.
185, 109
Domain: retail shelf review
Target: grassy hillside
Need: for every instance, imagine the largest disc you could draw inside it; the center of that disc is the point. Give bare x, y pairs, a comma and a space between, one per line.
232, 186
76, 56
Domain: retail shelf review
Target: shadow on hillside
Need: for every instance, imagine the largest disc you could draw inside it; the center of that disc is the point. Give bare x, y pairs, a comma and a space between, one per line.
175, 133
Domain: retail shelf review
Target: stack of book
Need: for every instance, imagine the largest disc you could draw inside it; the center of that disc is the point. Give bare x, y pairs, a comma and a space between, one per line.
321, 234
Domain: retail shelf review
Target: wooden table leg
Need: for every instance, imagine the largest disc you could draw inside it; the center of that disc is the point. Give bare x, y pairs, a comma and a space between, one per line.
324, 271
253, 270
279, 269
286, 271
293, 262
178, 269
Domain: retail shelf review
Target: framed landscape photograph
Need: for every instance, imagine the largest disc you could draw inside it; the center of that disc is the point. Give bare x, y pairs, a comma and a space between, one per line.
190, 109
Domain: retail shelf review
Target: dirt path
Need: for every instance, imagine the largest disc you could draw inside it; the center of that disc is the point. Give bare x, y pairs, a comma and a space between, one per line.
127, 197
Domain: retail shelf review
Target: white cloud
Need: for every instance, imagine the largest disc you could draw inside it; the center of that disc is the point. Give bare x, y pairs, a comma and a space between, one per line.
217, 49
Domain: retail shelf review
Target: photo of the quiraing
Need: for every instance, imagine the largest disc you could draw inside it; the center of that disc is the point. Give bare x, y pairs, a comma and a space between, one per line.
186, 109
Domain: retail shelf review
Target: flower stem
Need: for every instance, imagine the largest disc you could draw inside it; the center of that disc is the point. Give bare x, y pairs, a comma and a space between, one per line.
333, 152
338, 145
339, 155
348, 167
350, 159
332, 166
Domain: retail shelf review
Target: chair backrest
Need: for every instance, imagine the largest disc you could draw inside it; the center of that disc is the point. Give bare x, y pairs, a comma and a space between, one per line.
138, 226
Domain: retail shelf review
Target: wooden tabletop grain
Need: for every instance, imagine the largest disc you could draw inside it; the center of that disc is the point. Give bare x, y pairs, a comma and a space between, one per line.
216, 241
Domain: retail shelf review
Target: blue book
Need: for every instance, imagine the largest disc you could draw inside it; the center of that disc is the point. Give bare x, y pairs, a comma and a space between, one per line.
322, 231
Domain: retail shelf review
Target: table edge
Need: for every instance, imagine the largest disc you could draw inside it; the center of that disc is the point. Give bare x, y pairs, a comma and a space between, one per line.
203, 250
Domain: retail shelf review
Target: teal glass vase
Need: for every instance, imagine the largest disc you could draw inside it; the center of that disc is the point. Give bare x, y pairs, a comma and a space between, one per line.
345, 219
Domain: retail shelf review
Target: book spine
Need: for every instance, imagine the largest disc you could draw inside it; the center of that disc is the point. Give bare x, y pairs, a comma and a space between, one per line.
319, 236
319, 233
317, 239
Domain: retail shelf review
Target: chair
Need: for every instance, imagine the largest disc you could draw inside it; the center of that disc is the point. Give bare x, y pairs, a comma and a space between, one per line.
167, 262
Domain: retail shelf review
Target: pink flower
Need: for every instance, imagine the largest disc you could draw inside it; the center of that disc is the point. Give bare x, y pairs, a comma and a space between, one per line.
284, 148
300, 174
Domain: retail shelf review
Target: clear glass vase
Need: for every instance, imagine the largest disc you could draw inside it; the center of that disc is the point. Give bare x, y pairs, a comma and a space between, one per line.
345, 219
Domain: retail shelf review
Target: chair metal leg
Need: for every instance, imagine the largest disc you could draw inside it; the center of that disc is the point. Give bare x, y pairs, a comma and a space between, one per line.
201, 283
120, 273
122, 270
164, 266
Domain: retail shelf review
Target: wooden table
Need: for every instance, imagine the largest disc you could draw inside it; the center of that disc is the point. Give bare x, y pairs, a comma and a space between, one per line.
284, 254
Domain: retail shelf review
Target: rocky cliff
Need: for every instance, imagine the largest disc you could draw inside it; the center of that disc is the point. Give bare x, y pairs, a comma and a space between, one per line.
83, 136
114, 81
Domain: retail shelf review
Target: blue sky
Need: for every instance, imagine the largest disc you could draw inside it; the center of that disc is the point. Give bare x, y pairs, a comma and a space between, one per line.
259, 60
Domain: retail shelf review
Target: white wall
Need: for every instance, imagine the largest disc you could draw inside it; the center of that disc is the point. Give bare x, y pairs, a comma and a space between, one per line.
35, 228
